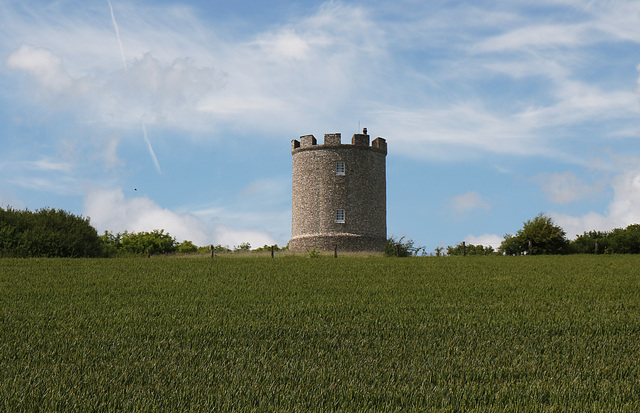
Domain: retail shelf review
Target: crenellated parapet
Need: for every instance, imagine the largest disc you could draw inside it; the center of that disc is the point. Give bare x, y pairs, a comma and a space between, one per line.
359, 140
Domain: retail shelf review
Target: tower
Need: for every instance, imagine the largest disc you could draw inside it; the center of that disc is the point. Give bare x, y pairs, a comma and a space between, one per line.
339, 194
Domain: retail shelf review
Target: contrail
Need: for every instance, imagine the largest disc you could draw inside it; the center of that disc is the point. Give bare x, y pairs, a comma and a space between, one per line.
124, 64
153, 154
115, 25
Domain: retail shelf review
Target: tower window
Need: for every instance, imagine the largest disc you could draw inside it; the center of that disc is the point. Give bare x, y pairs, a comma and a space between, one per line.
340, 169
340, 216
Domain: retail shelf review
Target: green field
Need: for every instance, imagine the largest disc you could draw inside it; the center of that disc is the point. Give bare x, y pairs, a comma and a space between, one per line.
347, 334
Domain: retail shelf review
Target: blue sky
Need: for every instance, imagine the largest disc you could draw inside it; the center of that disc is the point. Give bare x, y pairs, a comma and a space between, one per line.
179, 115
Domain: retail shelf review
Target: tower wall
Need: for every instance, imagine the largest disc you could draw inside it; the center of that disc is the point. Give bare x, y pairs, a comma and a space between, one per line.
319, 191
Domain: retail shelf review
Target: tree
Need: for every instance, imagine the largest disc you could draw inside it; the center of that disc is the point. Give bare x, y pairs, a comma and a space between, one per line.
400, 247
511, 245
625, 241
110, 243
469, 249
242, 247
592, 242
216, 249
47, 232
186, 247
156, 242
266, 247
537, 236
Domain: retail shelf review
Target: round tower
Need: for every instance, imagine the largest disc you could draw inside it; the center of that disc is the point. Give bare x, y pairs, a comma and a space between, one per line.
339, 194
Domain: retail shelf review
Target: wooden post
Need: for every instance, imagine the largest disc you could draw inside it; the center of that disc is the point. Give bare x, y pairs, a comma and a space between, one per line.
335, 252
149, 253
464, 249
272, 251
212, 251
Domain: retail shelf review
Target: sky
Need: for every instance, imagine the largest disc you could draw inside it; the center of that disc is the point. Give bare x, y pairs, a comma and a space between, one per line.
179, 115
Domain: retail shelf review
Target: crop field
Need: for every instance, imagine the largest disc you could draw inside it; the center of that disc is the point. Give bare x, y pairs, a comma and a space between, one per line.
300, 334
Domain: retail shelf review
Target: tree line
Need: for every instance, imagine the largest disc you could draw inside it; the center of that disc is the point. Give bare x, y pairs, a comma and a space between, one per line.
538, 236
542, 236
50, 232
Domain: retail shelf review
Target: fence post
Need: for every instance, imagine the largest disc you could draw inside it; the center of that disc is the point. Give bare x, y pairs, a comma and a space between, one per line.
335, 252
464, 249
272, 251
212, 251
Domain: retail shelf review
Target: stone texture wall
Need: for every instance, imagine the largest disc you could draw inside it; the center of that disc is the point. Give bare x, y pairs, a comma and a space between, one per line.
318, 192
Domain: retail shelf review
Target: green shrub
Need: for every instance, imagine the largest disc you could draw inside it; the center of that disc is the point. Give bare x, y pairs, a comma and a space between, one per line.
400, 247
47, 232
187, 247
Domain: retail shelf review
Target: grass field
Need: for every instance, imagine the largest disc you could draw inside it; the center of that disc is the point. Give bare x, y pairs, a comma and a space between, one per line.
346, 334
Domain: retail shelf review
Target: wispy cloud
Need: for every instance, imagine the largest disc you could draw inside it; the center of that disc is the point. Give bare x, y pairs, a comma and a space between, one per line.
317, 68
624, 208
566, 187
45, 67
468, 202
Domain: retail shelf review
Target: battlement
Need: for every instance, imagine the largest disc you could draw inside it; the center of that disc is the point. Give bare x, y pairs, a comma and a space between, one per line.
308, 142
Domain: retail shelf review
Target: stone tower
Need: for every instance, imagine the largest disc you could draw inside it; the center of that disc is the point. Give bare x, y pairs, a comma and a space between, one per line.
339, 194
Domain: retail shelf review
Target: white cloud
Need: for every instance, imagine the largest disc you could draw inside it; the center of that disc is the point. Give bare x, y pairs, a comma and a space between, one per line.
536, 36
233, 237
159, 92
148, 91
491, 240
45, 67
300, 74
261, 211
468, 202
286, 44
110, 210
623, 210
296, 76
47, 165
563, 188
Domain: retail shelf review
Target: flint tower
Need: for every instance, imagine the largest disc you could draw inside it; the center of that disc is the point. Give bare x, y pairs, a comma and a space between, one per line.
339, 194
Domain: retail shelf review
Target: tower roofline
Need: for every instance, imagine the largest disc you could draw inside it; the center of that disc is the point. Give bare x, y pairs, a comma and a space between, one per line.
333, 140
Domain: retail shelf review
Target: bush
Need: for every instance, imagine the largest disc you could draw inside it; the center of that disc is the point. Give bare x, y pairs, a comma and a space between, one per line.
275, 247
242, 247
511, 245
592, 242
537, 236
155, 242
187, 247
47, 232
469, 249
400, 247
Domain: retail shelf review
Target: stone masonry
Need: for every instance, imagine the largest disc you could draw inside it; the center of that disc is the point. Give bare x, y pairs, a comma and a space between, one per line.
321, 192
